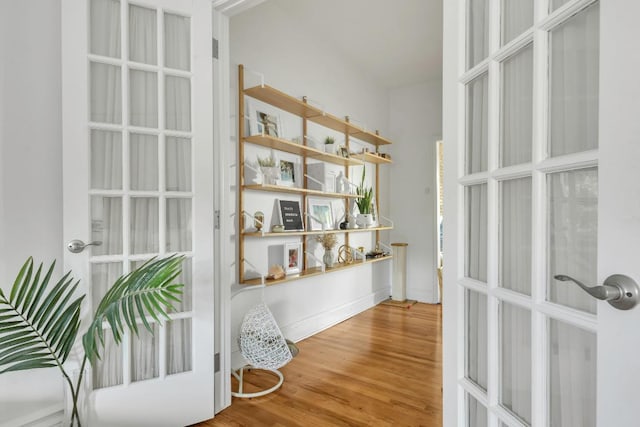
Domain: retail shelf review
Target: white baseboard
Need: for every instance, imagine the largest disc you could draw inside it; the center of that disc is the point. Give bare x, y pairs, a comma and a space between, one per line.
421, 295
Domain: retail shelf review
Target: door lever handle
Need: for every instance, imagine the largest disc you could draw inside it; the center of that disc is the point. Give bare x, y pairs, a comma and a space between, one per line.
76, 246
621, 291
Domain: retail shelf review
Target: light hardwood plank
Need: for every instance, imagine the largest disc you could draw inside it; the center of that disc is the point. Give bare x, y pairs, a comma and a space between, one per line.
379, 368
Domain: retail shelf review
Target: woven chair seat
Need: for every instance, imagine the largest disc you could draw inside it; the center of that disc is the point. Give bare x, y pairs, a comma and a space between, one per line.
261, 341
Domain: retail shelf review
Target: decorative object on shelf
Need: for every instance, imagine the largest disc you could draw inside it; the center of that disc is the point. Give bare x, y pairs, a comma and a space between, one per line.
340, 185
343, 152
364, 218
345, 255
287, 174
278, 228
41, 323
290, 217
328, 145
258, 220
270, 172
292, 253
321, 214
328, 241
275, 272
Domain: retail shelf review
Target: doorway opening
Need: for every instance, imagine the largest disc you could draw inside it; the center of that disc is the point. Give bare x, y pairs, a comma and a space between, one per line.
439, 214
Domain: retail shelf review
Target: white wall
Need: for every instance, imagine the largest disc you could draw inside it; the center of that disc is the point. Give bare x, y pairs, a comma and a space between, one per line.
416, 125
30, 164
264, 39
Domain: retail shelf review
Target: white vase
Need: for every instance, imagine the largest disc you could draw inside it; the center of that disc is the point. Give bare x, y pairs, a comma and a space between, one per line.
270, 174
328, 258
328, 148
364, 220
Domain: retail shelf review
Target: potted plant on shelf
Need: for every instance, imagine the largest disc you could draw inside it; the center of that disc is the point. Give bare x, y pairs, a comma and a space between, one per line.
328, 145
328, 241
365, 197
40, 325
270, 172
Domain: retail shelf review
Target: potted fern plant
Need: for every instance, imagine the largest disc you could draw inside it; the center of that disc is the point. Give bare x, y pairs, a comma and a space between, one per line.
40, 324
365, 197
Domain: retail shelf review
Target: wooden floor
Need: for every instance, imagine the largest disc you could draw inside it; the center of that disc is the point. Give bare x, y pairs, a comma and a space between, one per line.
380, 368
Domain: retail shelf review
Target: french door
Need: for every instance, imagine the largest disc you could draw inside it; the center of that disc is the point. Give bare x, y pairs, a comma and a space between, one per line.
531, 146
138, 178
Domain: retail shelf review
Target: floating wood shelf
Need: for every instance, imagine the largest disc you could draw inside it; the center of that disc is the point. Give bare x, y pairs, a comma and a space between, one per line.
314, 272
311, 233
295, 106
296, 190
371, 158
301, 150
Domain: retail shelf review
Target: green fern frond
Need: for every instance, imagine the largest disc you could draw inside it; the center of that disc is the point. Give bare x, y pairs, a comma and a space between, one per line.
37, 332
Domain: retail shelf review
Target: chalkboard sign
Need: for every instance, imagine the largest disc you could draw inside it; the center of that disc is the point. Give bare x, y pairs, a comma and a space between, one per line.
290, 215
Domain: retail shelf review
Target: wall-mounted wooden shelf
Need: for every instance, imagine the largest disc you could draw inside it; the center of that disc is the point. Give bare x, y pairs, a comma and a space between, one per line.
371, 158
301, 150
296, 106
314, 272
297, 190
311, 233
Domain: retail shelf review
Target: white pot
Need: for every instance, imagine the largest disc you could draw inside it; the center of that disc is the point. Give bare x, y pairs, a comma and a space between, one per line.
328, 148
364, 220
270, 174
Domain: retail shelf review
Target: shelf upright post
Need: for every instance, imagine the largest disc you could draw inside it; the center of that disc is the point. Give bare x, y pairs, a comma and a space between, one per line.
240, 163
377, 190
347, 168
304, 177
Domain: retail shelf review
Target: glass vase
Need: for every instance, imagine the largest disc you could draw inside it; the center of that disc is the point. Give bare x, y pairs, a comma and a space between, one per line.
328, 258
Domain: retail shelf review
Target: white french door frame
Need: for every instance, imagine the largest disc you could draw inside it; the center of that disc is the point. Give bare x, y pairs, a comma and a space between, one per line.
456, 78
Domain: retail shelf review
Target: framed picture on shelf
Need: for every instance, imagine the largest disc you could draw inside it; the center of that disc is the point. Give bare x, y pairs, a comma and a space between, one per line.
343, 151
292, 257
287, 173
263, 122
321, 215
289, 215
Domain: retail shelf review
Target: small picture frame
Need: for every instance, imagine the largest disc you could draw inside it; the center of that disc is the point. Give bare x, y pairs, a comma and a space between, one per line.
289, 215
262, 122
292, 257
321, 215
287, 173
343, 152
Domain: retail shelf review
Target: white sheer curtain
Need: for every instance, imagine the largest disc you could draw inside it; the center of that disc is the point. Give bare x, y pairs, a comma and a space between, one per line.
476, 413
574, 73
476, 154
476, 337
517, 16
515, 235
143, 150
476, 232
515, 376
477, 31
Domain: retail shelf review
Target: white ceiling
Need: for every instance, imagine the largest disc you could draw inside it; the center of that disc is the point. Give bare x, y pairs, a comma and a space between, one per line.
397, 42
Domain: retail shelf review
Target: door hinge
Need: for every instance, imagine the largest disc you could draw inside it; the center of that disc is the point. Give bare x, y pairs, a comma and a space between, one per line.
216, 220
214, 49
216, 363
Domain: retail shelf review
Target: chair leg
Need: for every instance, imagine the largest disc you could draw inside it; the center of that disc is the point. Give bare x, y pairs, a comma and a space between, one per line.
239, 375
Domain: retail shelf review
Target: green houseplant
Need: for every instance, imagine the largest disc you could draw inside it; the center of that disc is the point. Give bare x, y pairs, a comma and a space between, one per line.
40, 324
364, 200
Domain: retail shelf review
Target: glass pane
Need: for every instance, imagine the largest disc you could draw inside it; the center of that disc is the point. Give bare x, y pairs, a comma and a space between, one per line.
572, 376
517, 108
515, 375
106, 93
476, 232
106, 225
107, 371
179, 357
178, 163
178, 104
517, 17
105, 27
145, 354
476, 413
574, 74
557, 3
103, 276
143, 162
177, 41
144, 225
106, 160
143, 98
143, 35
573, 235
477, 125
179, 225
477, 31
476, 337
515, 235
185, 278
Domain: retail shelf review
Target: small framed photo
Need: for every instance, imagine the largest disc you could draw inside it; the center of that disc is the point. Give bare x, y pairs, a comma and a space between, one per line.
292, 257
287, 173
321, 215
343, 152
289, 215
263, 122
